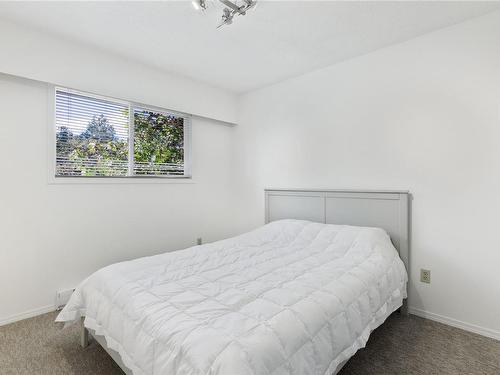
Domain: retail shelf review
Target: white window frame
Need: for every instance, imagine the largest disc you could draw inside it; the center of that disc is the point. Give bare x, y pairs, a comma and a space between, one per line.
51, 134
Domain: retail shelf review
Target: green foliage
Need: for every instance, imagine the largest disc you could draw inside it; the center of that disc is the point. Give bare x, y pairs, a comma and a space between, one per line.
158, 139
99, 152
99, 129
64, 140
95, 152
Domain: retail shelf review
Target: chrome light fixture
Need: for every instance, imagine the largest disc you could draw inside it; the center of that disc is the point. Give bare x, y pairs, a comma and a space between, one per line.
230, 8
199, 4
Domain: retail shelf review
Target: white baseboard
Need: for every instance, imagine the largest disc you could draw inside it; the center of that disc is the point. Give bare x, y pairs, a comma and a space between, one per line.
456, 323
26, 315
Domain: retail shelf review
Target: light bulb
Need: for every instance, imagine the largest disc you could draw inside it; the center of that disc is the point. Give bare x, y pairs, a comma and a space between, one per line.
199, 4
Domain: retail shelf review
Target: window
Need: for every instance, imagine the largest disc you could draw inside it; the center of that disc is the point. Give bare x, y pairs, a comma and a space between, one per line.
102, 137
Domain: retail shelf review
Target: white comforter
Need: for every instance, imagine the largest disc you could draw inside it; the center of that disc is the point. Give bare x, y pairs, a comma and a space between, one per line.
292, 297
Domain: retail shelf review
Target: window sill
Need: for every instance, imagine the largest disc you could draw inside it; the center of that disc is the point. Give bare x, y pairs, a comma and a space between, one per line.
119, 180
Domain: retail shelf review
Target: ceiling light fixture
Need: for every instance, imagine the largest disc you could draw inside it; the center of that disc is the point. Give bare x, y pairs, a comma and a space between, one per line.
199, 4
230, 8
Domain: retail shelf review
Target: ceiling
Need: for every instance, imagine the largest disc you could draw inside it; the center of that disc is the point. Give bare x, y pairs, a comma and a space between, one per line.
276, 41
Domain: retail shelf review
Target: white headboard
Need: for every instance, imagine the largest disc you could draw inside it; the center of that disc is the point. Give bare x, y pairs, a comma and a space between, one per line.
386, 209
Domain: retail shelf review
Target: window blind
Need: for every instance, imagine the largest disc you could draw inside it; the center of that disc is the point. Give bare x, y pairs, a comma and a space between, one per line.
91, 135
101, 137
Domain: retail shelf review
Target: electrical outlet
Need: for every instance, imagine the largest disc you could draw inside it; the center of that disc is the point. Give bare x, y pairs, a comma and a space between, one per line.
199, 241
425, 276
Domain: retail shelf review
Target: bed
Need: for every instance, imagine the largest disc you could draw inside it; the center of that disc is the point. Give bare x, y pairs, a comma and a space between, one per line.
299, 295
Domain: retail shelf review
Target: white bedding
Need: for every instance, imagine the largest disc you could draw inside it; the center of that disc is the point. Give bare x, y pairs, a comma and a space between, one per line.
292, 297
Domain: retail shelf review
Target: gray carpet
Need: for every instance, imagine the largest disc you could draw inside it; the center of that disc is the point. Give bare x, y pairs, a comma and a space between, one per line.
402, 346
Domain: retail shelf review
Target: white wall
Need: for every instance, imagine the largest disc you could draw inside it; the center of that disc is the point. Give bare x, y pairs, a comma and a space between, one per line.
53, 236
423, 115
33, 54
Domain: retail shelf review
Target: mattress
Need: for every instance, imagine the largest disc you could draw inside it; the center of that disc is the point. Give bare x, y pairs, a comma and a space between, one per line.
291, 297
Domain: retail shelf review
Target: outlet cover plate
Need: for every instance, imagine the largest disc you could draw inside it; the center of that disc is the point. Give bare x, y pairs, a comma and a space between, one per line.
425, 276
